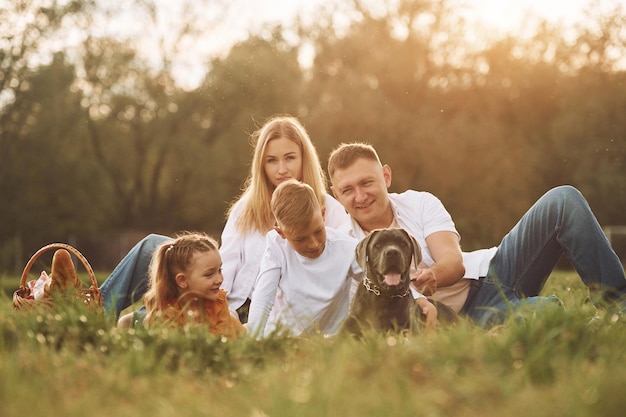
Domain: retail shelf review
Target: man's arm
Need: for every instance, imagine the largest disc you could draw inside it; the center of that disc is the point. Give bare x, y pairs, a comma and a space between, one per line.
448, 267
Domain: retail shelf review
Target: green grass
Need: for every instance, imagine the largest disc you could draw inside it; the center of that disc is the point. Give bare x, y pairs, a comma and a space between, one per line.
72, 362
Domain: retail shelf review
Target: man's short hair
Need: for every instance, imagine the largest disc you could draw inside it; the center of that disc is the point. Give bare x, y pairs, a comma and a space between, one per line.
348, 153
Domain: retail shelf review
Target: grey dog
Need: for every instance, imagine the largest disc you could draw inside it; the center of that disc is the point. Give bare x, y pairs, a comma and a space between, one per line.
384, 302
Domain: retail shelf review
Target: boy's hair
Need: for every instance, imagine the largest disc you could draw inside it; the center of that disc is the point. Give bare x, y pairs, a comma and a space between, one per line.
168, 260
347, 153
257, 215
294, 204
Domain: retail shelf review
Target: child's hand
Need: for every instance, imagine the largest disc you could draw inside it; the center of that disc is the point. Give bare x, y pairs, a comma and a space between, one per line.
429, 311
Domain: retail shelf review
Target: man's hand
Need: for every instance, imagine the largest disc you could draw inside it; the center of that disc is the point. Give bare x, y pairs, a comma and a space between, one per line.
425, 281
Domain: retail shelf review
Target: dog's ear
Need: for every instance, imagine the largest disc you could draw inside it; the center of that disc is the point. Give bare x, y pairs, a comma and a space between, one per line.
361, 250
417, 251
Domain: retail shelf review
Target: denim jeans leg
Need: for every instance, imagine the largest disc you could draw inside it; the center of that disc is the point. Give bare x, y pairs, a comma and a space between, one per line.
495, 303
491, 304
560, 222
129, 280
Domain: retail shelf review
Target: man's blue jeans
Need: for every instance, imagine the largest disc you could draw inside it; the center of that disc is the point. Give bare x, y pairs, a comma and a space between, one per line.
560, 222
129, 280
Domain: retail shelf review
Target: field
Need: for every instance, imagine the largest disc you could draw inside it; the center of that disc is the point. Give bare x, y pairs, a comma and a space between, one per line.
72, 362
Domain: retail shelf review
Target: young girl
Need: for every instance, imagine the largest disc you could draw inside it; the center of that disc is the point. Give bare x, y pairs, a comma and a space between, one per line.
185, 280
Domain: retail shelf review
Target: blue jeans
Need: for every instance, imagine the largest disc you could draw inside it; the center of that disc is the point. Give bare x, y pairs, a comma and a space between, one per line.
129, 280
560, 222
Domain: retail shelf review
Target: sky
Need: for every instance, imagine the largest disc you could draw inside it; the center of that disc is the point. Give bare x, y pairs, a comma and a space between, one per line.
508, 15
505, 15
489, 17
496, 17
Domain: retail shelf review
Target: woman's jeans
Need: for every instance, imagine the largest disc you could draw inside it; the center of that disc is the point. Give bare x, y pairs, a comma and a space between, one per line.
560, 222
129, 280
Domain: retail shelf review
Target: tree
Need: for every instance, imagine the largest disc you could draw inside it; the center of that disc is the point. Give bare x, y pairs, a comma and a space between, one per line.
586, 139
186, 152
30, 32
138, 108
408, 96
465, 124
260, 77
48, 182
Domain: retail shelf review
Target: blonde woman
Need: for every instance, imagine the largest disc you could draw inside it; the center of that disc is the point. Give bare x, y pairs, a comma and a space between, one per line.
282, 151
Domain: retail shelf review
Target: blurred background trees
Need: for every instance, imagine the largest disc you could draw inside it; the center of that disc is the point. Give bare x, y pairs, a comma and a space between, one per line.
103, 138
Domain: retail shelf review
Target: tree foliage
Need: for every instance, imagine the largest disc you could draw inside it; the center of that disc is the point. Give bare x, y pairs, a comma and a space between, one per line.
101, 138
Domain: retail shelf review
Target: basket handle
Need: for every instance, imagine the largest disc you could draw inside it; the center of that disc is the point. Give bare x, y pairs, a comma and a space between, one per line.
71, 249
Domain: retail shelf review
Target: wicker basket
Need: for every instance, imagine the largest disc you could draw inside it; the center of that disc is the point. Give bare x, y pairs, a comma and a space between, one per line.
23, 299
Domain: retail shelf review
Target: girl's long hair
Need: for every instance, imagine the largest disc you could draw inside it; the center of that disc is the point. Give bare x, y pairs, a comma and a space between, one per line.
256, 215
170, 259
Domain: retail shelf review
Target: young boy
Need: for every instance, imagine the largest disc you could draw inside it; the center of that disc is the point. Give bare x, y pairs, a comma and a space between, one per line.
308, 273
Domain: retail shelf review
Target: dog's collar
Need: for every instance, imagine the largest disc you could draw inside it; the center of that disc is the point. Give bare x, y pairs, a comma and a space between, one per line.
370, 286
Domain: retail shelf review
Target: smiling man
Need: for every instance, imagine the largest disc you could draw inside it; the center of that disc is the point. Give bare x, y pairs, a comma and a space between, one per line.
488, 283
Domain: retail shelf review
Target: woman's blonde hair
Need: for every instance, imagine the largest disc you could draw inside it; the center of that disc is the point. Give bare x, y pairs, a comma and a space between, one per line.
170, 259
257, 214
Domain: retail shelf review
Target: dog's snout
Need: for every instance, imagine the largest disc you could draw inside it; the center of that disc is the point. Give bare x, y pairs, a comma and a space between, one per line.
392, 253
